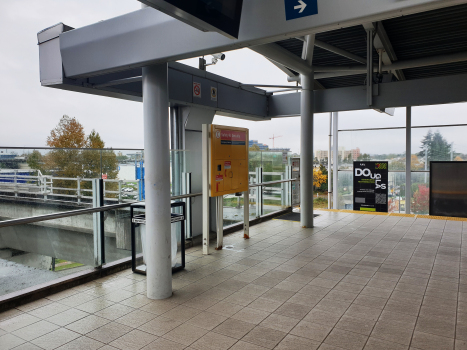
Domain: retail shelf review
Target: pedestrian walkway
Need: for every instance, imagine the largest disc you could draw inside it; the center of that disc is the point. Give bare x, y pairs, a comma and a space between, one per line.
353, 282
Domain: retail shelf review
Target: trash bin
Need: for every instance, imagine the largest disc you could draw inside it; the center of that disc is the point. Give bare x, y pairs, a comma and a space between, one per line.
140, 221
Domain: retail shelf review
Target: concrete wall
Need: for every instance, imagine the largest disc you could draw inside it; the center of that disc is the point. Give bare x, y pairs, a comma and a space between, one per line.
117, 222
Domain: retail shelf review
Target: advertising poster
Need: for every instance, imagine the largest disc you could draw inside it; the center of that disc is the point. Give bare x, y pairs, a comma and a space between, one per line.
370, 186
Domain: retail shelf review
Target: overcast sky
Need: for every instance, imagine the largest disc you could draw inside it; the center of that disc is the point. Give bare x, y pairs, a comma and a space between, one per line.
28, 111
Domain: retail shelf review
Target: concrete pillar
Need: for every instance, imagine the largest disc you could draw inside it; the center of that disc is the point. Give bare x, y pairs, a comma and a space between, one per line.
408, 159
157, 164
306, 151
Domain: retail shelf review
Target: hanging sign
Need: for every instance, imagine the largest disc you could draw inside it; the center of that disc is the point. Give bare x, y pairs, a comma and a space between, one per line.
370, 186
300, 8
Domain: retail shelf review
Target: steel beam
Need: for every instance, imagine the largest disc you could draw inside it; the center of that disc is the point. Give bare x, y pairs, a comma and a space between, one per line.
420, 92
382, 42
340, 52
282, 56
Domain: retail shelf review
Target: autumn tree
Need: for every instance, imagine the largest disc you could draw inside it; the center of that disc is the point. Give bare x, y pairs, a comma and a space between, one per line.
70, 158
318, 177
416, 164
421, 199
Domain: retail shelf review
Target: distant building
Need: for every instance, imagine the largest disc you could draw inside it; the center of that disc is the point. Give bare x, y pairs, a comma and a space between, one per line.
354, 153
262, 146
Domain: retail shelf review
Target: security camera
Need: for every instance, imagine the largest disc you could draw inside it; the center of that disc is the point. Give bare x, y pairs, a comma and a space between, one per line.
219, 56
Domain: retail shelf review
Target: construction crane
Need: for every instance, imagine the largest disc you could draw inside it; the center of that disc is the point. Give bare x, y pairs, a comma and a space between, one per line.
273, 138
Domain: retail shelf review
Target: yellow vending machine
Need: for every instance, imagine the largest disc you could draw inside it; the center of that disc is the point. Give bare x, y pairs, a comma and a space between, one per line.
225, 171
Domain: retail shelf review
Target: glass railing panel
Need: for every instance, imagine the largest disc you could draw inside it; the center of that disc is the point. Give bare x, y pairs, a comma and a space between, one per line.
345, 190
273, 198
396, 192
233, 209
253, 205
33, 254
420, 193
274, 162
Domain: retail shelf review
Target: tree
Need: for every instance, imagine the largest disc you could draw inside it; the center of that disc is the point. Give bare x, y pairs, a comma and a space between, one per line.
318, 177
415, 163
254, 148
435, 147
70, 159
35, 161
421, 199
458, 159
364, 156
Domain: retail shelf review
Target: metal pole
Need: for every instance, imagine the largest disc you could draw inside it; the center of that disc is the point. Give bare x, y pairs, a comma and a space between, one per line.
157, 176
426, 161
220, 222
335, 170
306, 137
246, 214
329, 162
408, 160
369, 71
206, 198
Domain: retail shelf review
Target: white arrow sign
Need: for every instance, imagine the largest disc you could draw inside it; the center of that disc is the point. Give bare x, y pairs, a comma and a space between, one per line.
301, 6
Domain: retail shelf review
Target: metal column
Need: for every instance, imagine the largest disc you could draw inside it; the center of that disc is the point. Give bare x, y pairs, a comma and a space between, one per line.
246, 214
369, 66
259, 192
220, 222
306, 138
157, 164
177, 143
205, 172
408, 159
335, 161
329, 162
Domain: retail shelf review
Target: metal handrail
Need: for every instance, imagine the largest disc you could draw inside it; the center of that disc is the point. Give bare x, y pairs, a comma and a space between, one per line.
60, 215
64, 214
272, 182
30, 220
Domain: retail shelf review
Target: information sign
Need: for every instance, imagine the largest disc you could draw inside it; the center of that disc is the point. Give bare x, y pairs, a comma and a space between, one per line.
300, 8
370, 186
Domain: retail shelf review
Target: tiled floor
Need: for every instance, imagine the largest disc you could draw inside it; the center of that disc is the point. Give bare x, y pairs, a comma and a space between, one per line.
353, 282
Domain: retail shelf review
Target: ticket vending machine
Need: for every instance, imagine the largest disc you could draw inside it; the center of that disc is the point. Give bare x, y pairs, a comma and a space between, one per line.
225, 171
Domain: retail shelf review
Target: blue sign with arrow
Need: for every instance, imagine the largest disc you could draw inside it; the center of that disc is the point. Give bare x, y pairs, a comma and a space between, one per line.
300, 8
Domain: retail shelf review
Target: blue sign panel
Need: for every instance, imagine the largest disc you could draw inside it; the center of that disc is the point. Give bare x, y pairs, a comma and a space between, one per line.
300, 8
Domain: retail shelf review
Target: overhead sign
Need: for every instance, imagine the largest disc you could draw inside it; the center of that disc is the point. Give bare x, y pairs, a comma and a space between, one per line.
222, 16
197, 90
300, 8
370, 186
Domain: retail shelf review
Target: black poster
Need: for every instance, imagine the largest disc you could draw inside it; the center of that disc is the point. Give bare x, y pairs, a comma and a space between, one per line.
370, 186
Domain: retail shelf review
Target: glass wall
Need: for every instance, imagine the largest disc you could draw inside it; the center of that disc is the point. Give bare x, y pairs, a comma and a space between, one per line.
437, 134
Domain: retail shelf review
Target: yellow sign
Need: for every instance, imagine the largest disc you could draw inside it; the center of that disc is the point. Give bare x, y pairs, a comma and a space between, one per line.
229, 160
